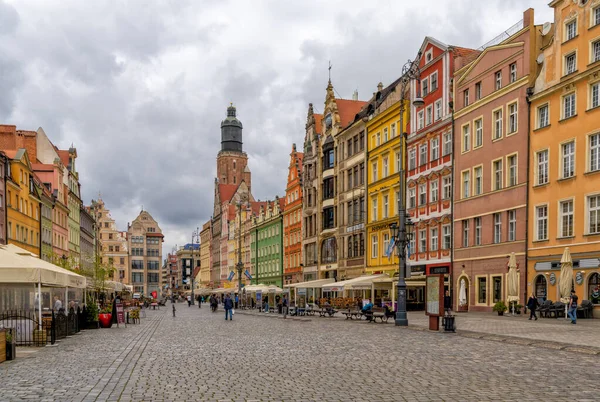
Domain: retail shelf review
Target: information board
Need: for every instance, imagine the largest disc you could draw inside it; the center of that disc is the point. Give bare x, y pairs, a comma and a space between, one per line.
120, 314
435, 286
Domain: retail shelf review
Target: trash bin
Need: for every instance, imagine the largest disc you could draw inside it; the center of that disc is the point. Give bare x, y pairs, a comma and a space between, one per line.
449, 323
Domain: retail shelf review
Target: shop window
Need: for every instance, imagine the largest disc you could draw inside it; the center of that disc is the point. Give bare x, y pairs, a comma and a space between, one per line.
541, 288
497, 283
594, 288
482, 290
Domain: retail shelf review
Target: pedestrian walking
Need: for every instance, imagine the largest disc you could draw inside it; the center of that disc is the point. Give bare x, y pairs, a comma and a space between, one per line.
284, 305
447, 303
199, 301
532, 305
573, 307
228, 306
237, 300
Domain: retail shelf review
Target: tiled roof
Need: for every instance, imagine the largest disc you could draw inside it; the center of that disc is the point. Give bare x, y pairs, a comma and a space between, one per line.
468, 54
348, 109
64, 156
11, 153
226, 191
154, 235
318, 122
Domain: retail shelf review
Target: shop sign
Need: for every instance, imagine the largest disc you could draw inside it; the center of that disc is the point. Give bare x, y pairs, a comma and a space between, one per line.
439, 270
417, 269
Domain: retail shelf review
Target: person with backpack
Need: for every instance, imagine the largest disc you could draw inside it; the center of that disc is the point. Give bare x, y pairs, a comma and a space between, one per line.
228, 306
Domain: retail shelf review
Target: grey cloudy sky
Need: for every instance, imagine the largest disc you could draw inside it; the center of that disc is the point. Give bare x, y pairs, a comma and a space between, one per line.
140, 87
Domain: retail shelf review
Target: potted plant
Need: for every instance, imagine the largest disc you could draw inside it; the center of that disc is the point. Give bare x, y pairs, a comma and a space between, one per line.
11, 345
518, 308
105, 317
91, 311
500, 307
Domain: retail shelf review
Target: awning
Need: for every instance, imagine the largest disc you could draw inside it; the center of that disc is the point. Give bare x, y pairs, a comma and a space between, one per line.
348, 284
20, 266
310, 284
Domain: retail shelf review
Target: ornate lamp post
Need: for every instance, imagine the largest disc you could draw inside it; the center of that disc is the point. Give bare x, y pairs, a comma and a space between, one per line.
410, 71
195, 235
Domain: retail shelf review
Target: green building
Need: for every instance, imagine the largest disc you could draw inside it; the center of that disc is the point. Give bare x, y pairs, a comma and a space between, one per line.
267, 244
47, 205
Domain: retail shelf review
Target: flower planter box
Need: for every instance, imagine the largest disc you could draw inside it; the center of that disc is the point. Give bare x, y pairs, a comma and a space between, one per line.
11, 351
40, 337
105, 320
2, 346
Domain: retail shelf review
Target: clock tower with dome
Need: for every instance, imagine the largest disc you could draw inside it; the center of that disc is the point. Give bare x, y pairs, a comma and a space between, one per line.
232, 161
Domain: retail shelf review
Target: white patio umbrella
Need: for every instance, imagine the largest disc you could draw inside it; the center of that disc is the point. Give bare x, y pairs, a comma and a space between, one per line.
512, 280
462, 294
566, 278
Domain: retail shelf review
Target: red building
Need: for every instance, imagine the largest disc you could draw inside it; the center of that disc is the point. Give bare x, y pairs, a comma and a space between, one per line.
292, 220
429, 165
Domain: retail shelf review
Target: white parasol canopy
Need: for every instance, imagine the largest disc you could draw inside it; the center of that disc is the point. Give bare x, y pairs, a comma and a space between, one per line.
512, 279
462, 294
566, 276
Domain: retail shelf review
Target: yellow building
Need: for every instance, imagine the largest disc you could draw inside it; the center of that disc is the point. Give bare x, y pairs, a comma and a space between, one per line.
564, 179
383, 163
23, 202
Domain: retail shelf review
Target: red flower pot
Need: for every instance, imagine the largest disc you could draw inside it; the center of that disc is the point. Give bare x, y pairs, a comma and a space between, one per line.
105, 320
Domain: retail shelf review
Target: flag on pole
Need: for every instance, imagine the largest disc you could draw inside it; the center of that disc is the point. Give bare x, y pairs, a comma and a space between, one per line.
390, 249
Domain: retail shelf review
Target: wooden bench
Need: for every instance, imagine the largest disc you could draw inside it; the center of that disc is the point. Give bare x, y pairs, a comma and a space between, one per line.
352, 314
375, 314
326, 312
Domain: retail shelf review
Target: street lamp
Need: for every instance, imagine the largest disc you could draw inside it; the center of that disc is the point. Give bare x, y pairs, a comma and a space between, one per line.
410, 71
195, 235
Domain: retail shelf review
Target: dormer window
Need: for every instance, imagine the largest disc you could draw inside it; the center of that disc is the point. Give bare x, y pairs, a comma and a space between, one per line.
428, 55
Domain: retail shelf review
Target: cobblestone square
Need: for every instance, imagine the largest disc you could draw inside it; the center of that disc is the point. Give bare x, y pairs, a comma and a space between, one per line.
198, 356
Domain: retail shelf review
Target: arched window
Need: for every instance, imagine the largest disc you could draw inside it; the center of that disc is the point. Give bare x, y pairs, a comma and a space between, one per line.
541, 288
594, 288
328, 251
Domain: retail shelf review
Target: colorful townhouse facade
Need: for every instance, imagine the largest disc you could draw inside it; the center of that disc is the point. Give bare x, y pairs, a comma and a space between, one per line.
113, 248
564, 174
205, 254
3, 201
267, 245
292, 220
490, 166
144, 234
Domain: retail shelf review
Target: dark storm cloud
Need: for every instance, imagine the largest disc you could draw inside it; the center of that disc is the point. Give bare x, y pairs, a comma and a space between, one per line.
140, 88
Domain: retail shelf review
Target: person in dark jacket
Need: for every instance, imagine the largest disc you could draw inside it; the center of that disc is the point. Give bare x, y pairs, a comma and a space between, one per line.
532, 305
199, 301
447, 303
228, 306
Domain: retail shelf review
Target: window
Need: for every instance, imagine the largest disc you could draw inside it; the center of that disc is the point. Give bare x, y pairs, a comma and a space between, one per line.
497, 288
466, 183
569, 106
398, 162
513, 72
482, 290
435, 149
422, 154
497, 228
447, 240
478, 90
386, 243
447, 187
596, 16
421, 119
512, 225
498, 80
594, 152
466, 97
422, 241
378, 139
465, 231
542, 167
438, 110
594, 214
422, 194
478, 133
478, 177
466, 137
374, 246
434, 191
541, 222
477, 222
512, 170
570, 63
447, 144
542, 116
497, 168
412, 197
385, 206
429, 115
429, 55
433, 241
595, 94
568, 159
512, 118
434, 81
424, 86
571, 30
374, 171
393, 130
498, 124
566, 218
374, 208
384, 167
412, 159
595, 51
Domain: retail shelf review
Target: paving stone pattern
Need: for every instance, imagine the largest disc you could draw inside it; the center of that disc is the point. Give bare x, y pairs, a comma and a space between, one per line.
198, 356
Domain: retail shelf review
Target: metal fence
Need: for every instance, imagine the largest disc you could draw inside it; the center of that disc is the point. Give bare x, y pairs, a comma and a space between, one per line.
55, 325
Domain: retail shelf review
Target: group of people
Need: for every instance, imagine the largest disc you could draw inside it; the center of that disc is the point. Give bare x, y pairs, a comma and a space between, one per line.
532, 305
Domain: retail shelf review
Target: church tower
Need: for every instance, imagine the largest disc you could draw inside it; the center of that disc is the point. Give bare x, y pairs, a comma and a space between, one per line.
232, 161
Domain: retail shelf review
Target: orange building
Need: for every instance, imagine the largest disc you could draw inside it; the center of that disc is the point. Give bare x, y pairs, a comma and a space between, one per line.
564, 174
292, 220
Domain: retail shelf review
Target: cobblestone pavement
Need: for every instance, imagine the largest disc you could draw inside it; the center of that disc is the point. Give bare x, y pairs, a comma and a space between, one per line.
200, 356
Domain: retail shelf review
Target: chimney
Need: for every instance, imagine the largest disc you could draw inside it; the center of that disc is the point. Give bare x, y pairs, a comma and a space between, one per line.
528, 17
355, 95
